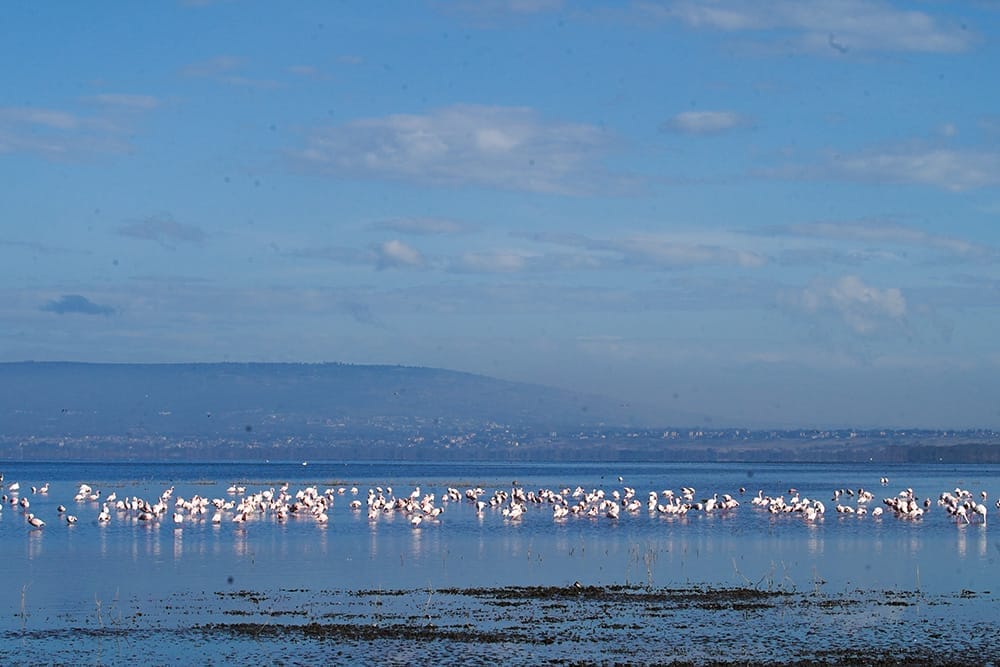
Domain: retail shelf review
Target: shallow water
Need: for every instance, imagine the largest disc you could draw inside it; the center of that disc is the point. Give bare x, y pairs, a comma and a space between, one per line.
111, 592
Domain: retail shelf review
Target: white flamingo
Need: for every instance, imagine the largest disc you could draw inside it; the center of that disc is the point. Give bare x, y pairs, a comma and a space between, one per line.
980, 509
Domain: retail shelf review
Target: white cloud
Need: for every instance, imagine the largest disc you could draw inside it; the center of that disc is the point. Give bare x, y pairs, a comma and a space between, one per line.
948, 130
876, 231
509, 148
949, 169
37, 247
670, 254
989, 124
388, 254
50, 118
224, 69
862, 307
57, 134
213, 67
490, 8
851, 290
124, 101
338, 254
705, 122
518, 6
532, 6
492, 262
304, 70
826, 26
395, 253
422, 226
163, 229
575, 253
248, 82
660, 252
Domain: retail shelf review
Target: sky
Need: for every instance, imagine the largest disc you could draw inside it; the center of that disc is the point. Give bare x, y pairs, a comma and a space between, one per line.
728, 212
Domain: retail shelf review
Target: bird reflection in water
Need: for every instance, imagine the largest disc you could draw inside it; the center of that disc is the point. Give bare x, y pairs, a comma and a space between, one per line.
35, 544
240, 542
815, 542
416, 541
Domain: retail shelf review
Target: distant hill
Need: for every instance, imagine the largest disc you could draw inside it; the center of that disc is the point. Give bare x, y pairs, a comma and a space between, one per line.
265, 411
53, 399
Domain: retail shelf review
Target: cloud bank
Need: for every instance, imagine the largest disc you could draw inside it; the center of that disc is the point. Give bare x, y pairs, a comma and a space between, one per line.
55, 134
422, 226
395, 253
864, 308
163, 229
705, 122
833, 27
507, 148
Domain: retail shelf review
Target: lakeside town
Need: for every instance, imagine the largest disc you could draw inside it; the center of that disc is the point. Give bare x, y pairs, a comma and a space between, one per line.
416, 440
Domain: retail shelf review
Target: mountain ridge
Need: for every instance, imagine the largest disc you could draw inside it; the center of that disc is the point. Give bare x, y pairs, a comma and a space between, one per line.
215, 398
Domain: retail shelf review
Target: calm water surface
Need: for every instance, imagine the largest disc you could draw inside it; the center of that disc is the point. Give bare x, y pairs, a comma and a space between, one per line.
63, 586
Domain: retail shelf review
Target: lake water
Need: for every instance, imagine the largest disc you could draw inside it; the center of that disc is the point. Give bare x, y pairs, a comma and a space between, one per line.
646, 587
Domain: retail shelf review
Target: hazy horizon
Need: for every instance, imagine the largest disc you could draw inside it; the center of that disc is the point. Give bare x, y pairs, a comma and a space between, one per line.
640, 413
774, 214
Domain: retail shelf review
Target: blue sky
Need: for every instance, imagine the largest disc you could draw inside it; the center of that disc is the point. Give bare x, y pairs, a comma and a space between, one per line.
726, 212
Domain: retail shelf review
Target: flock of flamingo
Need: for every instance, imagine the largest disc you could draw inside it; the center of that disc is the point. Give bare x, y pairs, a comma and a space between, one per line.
281, 504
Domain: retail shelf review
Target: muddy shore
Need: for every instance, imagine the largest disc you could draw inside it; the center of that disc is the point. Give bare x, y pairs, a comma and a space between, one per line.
570, 625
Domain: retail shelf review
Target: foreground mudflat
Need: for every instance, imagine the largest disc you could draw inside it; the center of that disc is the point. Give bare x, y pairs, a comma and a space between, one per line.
574, 624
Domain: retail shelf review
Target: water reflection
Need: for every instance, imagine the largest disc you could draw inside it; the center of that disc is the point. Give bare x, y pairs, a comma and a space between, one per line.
153, 539
216, 541
34, 544
914, 544
322, 539
416, 541
814, 543
102, 542
373, 543
240, 542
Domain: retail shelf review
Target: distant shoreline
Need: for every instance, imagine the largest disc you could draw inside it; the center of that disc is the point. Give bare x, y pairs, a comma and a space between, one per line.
259, 411
613, 449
